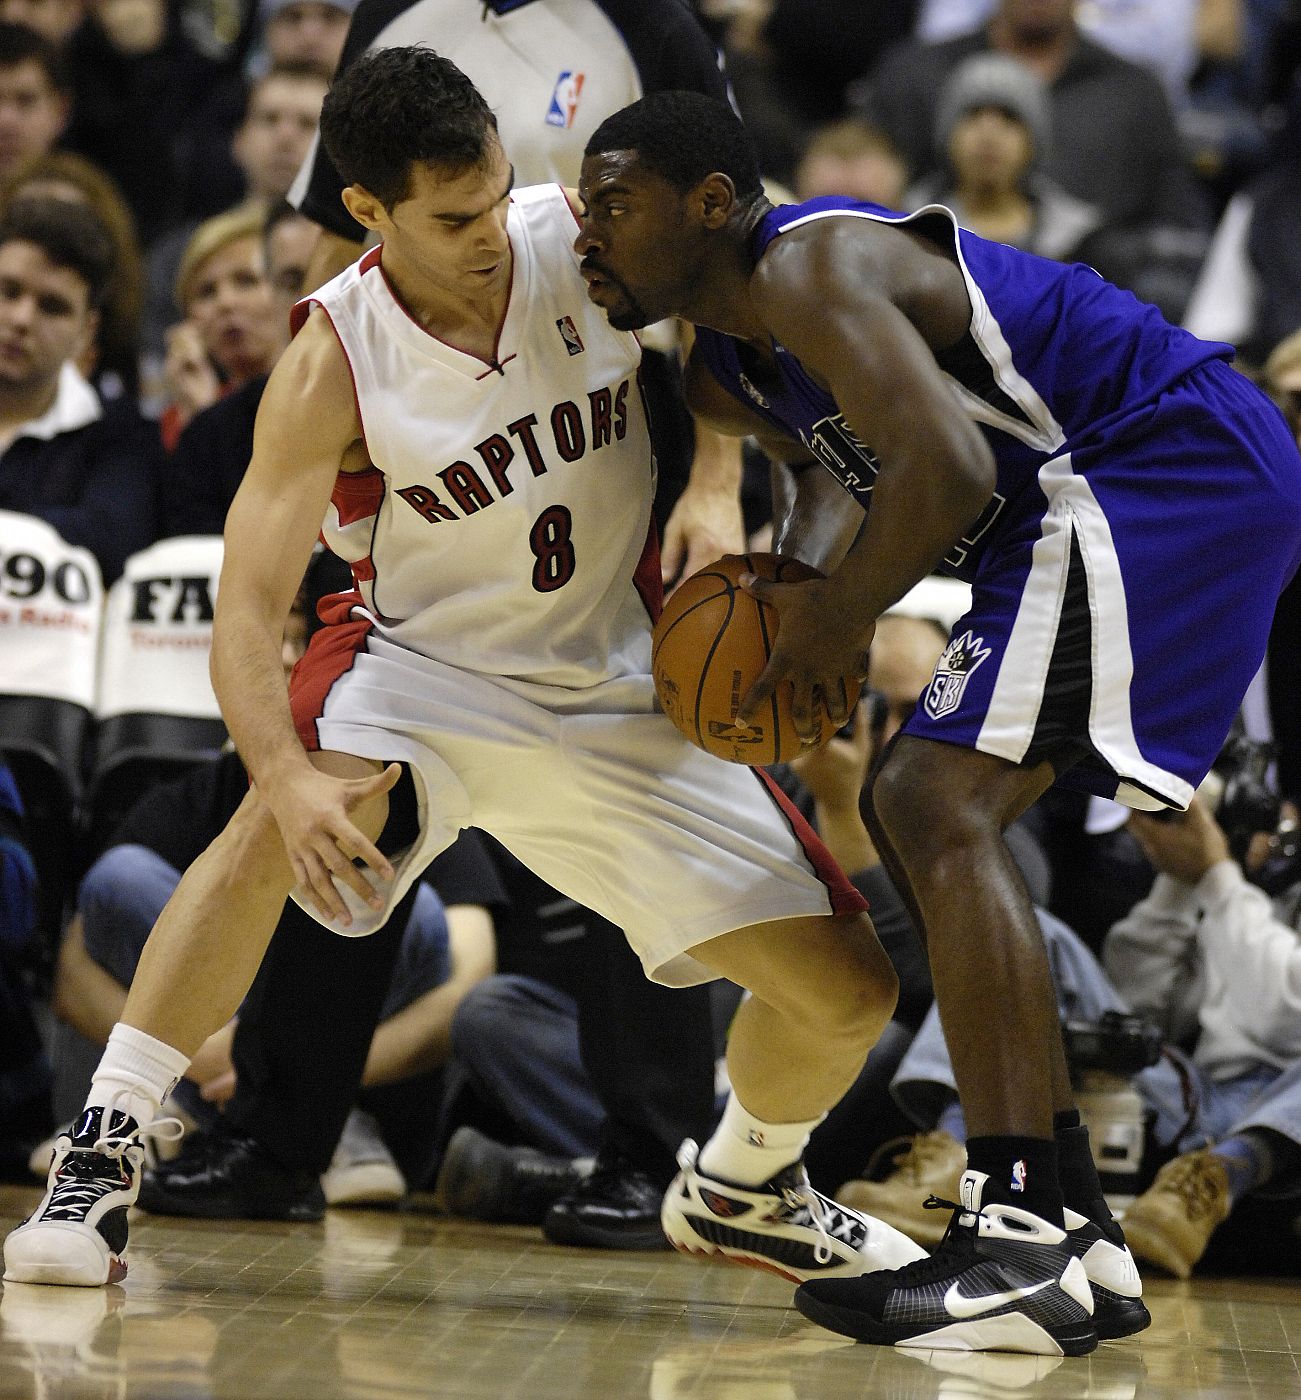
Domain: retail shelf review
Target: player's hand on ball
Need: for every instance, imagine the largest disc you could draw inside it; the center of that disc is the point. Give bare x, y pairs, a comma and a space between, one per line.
813, 649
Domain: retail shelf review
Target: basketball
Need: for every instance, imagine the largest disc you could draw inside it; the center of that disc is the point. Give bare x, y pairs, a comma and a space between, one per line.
709, 646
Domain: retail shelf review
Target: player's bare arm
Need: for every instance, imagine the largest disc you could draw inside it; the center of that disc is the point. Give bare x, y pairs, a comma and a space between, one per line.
706, 520
885, 302
306, 431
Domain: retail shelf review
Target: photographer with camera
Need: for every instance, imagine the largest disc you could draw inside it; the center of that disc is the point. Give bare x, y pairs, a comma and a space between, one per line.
1217, 964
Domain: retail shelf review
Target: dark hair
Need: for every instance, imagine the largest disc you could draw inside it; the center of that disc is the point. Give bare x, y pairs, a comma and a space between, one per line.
19, 43
396, 107
70, 235
683, 136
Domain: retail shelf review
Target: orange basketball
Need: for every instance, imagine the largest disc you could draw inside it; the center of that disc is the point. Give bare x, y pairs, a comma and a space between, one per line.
709, 647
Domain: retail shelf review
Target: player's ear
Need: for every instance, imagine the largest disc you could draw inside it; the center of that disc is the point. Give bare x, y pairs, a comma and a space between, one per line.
717, 198
364, 206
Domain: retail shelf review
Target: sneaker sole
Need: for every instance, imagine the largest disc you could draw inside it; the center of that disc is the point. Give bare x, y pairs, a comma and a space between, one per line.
566, 1230
367, 1184
59, 1254
1116, 1316
1008, 1332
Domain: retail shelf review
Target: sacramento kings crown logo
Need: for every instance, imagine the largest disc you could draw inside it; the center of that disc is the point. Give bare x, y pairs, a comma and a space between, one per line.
952, 672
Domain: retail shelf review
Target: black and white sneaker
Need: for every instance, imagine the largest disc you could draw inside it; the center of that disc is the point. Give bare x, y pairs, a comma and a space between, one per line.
78, 1233
1118, 1307
784, 1226
1002, 1279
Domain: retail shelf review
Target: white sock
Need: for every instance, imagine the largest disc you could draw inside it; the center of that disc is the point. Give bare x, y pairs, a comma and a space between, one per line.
138, 1072
747, 1151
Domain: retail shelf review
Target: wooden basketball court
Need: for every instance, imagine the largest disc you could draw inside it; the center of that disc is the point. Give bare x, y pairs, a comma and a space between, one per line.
376, 1306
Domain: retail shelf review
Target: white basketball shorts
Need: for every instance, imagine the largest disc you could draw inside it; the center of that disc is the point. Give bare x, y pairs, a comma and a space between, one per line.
595, 791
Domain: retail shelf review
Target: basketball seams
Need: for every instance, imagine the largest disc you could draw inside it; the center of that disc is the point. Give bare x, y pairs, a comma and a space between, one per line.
774, 716
700, 671
703, 682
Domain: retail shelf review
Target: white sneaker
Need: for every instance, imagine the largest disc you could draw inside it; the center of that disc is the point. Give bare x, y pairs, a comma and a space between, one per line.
362, 1171
78, 1233
784, 1226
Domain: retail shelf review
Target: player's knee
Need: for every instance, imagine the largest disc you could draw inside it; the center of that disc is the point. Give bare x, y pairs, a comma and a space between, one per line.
910, 811
856, 988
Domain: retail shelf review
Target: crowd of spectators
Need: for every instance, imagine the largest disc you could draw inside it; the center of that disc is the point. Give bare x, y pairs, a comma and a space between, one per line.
148, 261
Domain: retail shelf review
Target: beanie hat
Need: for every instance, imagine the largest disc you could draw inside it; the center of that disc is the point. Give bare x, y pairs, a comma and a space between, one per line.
994, 80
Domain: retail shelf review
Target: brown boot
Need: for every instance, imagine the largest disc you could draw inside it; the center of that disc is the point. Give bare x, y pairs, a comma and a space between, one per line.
933, 1164
1172, 1222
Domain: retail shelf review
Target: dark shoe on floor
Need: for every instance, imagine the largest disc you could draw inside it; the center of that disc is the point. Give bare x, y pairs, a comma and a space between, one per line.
617, 1207
1002, 1279
222, 1176
486, 1180
1118, 1307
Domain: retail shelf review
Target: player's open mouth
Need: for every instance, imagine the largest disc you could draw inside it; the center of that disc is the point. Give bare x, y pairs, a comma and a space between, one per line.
596, 284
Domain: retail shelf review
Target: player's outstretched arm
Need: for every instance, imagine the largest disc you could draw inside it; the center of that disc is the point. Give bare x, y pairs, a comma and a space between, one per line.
307, 430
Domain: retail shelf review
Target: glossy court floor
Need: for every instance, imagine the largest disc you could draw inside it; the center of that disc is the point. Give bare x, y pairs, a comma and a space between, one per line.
382, 1306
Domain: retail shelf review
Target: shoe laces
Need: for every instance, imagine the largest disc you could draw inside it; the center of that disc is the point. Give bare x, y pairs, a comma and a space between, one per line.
114, 1144
802, 1197
1194, 1181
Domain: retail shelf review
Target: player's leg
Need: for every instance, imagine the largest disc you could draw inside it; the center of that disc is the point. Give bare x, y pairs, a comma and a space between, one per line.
821, 992
1007, 1275
197, 965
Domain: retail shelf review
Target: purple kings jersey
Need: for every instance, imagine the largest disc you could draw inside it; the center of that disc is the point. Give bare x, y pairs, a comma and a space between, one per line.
1055, 361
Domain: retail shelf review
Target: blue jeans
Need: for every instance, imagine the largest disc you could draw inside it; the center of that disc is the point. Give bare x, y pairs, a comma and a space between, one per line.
1208, 1110
125, 890
516, 1040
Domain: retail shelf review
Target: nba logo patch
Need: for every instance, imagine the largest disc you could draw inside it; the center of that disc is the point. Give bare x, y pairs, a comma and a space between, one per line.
564, 99
952, 672
1018, 1174
569, 334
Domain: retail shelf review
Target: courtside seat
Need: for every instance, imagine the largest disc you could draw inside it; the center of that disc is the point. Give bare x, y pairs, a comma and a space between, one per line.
155, 707
51, 604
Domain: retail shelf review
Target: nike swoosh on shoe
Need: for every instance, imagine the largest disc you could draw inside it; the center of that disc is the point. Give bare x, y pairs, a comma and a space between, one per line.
957, 1304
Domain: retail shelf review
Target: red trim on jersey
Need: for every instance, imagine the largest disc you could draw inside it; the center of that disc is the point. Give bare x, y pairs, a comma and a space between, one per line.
845, 899
358, 495
330, 654
648, 577
370, 258
494, 368
297, 318
578, 218
492, 363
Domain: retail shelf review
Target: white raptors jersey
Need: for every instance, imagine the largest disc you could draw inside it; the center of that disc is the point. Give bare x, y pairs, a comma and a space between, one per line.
506, 525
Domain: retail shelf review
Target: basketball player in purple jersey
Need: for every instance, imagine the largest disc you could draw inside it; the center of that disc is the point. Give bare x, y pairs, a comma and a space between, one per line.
1127, 508
469, 428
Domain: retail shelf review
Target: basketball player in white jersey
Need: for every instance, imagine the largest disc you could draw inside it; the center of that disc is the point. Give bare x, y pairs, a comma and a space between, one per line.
469, 426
